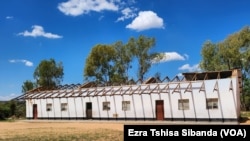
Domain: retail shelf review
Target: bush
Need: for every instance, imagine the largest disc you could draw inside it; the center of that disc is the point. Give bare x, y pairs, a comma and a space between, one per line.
4, 111
12, 109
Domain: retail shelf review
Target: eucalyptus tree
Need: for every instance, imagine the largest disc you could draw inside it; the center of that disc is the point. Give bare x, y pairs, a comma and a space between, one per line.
141, 49
111, 63
27, 85
48, 74
99, 65
233, 52
123, 58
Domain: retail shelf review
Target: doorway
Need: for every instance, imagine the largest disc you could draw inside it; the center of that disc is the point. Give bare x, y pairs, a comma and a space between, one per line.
88, 110
34, 111
159, 109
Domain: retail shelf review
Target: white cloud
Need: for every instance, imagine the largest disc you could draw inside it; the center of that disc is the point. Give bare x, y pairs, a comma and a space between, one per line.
127, 14
38, 31
79, 7
169, 56
190, 68
9, 17
26, 62
8, 97
146, 20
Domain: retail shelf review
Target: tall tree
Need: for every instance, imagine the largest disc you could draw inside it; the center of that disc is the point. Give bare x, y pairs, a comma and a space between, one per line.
49, 74
99, 65
141, 50
123, 58
110, 63
233, 52
27, 85
210, 60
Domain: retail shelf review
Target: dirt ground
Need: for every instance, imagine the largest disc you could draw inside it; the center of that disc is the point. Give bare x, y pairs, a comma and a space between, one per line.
36, 128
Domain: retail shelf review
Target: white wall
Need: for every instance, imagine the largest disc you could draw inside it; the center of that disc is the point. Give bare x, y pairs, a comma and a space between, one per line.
143, 105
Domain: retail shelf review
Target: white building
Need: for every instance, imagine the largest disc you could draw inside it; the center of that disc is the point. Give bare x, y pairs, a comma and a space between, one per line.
208, 96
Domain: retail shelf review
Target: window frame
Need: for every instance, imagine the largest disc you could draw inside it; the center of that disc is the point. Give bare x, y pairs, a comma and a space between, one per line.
125, 105
183, 104
49, 107
106, 106
64, 106
212, 103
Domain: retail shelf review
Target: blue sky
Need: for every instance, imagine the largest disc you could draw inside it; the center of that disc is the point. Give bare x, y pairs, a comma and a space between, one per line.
66, 30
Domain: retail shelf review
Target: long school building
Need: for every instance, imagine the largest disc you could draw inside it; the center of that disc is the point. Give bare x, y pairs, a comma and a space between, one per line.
207, 96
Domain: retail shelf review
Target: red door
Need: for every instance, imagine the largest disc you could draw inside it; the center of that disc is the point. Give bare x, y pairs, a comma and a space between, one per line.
159, 110
34, 111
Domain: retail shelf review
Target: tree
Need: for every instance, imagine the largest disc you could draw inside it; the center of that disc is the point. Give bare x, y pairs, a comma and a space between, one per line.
99, 65
27, 85
141, 50
49, 74
233, 52
211, 60
4, 110
123, 58
110, 63
246, 94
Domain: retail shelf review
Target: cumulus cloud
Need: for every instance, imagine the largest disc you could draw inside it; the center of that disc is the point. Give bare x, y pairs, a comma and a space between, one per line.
38, 31
169, 56
146, 20
79, 7
189, 68
26, 62
127, 13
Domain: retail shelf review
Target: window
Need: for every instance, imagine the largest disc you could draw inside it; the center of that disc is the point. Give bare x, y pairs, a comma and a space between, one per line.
106, 106
49, 107
212, 103
183, 104
125, 105
64, 106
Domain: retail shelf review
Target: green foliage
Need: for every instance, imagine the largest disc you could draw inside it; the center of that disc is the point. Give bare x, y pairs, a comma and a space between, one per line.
4, 111
123, 58
100, 63
233, 52
141, 50
246, 94
12, 109
211, 59
48, 73
110, 63
27, 85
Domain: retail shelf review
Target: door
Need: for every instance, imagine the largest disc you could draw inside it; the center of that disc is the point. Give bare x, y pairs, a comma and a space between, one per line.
34, 111
159, 110
88, 110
